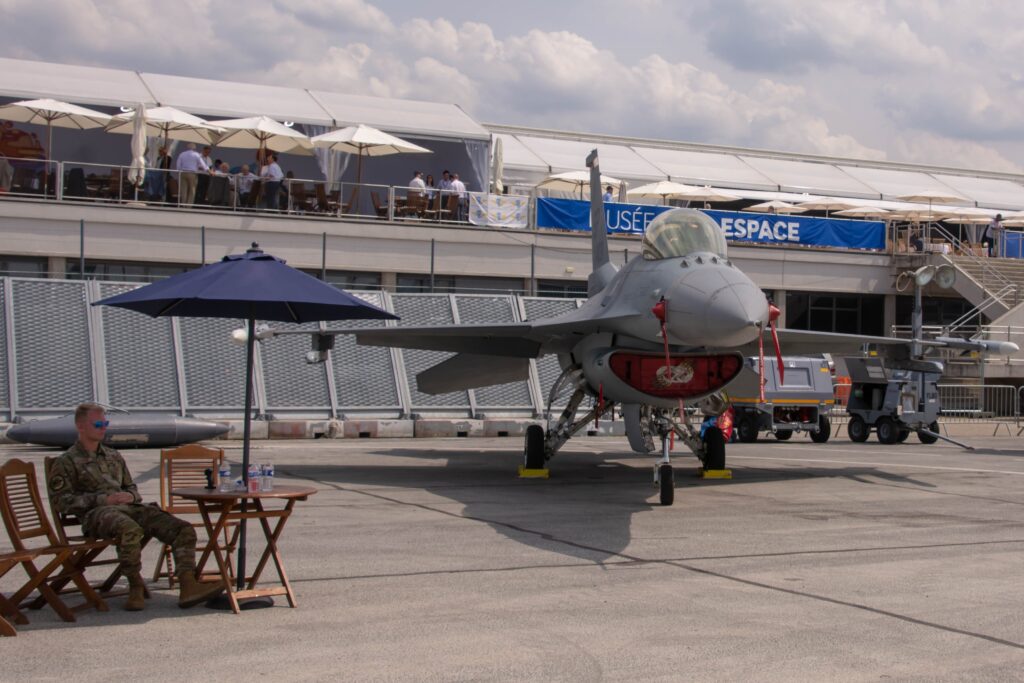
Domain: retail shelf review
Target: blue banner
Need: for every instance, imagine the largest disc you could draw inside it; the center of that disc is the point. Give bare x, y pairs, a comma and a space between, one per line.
573, 214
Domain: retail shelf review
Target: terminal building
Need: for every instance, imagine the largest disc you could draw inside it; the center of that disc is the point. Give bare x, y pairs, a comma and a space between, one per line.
75, 229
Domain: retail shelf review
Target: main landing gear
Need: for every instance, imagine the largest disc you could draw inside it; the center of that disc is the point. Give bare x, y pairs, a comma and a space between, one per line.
541, 445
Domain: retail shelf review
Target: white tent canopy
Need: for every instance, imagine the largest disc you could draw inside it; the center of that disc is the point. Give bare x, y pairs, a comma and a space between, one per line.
21, 79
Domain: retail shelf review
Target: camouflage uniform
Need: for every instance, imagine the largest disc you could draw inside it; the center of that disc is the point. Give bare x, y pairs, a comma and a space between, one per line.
79, 483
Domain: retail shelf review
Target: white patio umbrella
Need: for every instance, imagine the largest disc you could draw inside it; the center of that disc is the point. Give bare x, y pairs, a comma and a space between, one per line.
50, 113
663, 190
571, 181
775, 206
262, 133
930, 197
864, 212
137, 169
170, 124
365, 140
708, 194
53, 113
827, 204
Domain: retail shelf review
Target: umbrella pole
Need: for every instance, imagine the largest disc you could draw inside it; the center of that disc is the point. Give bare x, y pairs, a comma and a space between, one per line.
49, 156
359, 183
250, 349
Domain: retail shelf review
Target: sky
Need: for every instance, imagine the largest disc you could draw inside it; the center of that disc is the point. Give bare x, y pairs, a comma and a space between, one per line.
922, 81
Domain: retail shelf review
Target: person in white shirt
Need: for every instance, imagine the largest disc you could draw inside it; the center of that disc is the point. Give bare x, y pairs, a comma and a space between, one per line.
190, 164
243, 184
608, 194
417, 184
272, 177
459, 188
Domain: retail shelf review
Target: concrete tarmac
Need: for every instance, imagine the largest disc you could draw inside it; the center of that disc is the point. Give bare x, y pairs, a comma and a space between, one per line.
428, 560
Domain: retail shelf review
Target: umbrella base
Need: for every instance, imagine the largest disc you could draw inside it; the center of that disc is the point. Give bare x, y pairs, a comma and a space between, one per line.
221, 602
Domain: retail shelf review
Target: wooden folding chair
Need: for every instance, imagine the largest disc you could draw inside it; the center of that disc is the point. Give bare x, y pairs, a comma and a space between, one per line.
69, 531
8, 609
378, 206
25, 519
185, 467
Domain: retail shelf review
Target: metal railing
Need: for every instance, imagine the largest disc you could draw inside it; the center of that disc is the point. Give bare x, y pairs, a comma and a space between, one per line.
106, 183
960, 403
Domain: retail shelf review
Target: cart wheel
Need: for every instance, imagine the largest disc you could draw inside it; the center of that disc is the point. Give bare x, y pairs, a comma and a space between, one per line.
747, 429
857, 429
783, 434
904, 433
928, 438
824, 430
888, 432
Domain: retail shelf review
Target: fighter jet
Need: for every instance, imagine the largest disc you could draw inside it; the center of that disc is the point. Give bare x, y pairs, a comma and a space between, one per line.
665, 332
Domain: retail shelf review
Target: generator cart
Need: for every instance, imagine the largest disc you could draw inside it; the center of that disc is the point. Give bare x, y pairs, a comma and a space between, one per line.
800, 403
893, 398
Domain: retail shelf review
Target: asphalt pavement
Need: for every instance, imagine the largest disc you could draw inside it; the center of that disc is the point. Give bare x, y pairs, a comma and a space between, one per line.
429, 560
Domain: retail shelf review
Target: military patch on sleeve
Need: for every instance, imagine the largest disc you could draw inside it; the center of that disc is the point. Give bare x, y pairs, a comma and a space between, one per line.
58, 483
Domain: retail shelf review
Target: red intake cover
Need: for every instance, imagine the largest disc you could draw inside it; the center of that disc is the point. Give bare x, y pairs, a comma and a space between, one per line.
686, 376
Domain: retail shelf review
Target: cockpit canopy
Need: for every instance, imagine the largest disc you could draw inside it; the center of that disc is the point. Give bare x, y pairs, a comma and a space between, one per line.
680, 232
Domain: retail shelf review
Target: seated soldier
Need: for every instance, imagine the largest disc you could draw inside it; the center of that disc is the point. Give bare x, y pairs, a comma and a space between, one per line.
91, 481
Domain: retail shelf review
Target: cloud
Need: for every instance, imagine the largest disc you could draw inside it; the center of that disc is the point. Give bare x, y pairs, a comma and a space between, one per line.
788, 35
870, 79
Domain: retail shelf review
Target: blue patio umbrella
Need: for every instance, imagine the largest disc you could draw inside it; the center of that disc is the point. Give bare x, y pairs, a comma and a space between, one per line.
253, 286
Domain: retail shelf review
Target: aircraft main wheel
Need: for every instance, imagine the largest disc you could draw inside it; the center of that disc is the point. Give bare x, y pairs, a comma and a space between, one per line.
904, 433
667, 485
714, 449
888, 432
747, 429
928, 438
533, 454
857, 429
783, 434
824, 430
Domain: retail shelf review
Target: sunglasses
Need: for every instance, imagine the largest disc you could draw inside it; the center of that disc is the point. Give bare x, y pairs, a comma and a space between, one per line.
100, 424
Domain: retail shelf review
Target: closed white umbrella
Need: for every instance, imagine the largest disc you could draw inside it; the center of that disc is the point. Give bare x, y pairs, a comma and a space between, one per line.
170, 124
365, 140
776, 206
137, 169
498, 166
663, 190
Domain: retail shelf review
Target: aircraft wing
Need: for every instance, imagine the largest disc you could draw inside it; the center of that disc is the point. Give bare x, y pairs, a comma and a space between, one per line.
529, 339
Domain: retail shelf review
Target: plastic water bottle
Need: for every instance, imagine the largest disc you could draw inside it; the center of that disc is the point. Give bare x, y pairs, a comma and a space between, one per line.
254, 478
267, 477
224, 476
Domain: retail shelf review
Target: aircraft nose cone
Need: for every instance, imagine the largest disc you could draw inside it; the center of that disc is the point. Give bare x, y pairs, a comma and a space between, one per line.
716, 306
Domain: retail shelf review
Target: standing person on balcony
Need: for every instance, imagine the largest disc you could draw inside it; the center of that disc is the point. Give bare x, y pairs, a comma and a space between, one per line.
459, 188
994, 235
272, 177
243, 185
91, 480
190, 164
156, 177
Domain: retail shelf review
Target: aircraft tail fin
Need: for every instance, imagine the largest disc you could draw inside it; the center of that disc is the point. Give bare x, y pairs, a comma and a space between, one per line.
602, 271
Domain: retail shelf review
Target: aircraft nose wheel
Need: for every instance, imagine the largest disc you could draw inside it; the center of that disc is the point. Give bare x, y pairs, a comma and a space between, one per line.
666, 485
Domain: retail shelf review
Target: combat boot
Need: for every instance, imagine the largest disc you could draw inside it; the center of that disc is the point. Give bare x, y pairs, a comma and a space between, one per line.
136, 594
192, 592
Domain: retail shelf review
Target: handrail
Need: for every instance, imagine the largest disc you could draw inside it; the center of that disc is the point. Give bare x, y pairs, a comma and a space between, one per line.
980, 308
